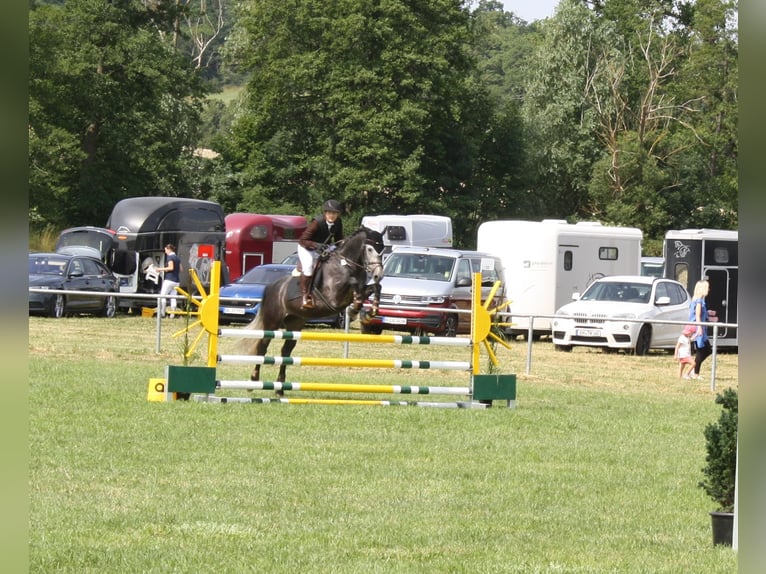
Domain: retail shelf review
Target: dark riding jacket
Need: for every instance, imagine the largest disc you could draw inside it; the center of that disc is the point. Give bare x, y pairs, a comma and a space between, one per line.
318, 231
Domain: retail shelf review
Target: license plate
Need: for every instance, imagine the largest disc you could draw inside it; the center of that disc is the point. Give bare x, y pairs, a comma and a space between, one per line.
234, 310
395, 320
587, 332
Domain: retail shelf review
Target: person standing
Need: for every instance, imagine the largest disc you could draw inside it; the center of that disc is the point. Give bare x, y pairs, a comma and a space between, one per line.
323, 231
698, 313
170, 280
683, 352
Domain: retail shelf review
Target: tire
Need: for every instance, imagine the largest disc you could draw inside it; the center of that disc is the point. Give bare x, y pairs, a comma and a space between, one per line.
563, 348
340, 321
110, 307
450, 326
643, 341
58, 307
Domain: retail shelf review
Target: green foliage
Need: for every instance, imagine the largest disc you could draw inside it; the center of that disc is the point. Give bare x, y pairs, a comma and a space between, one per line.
623, 111
721, 447
113, 108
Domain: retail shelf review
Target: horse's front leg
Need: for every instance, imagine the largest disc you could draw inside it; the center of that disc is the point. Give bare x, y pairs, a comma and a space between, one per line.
376, 289
287, 348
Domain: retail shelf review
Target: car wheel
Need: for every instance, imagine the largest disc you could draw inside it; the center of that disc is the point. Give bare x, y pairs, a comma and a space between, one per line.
110, 307
644, 340
58, 306
563, 348
450, 326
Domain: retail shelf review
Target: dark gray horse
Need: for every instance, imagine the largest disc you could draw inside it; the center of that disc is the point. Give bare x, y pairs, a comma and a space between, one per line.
339, 281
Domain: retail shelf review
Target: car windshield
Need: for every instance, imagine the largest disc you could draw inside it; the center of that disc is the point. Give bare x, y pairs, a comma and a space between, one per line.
419, 266
618, 291
47, 265
262, 275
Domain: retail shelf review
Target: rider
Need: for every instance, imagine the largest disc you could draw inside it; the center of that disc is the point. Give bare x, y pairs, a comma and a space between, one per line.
324, 230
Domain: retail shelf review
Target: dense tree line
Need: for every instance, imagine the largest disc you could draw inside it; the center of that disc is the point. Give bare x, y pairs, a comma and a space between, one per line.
623, 111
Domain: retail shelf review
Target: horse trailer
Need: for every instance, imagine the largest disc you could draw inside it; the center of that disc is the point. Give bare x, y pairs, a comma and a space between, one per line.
419, 230
545, 262
253, 239
712, 254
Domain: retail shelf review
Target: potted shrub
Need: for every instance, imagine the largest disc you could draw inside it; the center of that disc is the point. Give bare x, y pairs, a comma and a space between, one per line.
721, 467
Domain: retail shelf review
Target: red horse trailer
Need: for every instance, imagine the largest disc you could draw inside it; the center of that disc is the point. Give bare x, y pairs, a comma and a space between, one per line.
253, 239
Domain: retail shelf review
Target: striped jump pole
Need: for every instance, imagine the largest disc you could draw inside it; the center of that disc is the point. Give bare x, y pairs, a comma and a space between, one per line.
341, 388
354, 402
340, 362
345, 337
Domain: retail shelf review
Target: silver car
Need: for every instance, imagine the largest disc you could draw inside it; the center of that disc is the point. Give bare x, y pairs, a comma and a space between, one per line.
599, 317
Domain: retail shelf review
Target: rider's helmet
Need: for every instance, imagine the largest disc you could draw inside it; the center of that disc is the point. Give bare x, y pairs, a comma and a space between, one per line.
331, 205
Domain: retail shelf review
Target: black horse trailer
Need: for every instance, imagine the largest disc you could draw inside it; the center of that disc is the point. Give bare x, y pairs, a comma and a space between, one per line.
695, 254
140, 227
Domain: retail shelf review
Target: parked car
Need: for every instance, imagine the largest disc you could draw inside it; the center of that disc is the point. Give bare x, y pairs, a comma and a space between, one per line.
237, 298
67, 272
596, 318
434, 279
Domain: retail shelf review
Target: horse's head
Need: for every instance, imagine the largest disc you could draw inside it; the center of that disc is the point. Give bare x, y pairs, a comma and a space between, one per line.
373, 248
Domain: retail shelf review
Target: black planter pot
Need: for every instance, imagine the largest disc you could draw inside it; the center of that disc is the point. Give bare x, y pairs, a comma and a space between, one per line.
723, 526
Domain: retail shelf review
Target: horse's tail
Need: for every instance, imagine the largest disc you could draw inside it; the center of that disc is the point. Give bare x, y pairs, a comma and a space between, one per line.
247, 345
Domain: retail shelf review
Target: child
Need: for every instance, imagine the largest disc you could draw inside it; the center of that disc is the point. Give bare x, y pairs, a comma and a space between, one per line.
683, 352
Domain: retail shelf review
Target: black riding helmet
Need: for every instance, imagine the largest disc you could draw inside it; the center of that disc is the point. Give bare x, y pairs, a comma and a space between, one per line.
331, 205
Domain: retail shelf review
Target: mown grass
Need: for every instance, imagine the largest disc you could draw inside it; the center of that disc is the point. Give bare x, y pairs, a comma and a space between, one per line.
595, 470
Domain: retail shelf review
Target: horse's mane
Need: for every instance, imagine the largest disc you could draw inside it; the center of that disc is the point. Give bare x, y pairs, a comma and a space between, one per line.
375, 238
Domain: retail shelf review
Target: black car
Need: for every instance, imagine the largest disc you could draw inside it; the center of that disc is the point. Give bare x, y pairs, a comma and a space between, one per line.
65, 272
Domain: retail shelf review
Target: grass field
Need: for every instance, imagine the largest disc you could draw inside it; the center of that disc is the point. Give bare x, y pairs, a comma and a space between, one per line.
595, 470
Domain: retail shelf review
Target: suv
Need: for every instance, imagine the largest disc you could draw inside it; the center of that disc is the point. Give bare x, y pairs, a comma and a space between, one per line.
432, 278
597, 318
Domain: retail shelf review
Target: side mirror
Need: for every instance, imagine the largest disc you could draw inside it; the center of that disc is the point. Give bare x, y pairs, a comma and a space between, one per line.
76, 274
464, 282
664, 300
575, 296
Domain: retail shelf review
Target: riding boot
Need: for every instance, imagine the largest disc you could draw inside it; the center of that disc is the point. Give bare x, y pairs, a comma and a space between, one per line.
308, 302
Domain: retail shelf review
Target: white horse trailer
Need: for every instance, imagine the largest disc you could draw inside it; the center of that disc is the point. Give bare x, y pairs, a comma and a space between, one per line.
545, 262
419, 230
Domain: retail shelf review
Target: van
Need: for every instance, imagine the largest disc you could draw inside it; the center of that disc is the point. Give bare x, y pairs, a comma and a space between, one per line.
432, 279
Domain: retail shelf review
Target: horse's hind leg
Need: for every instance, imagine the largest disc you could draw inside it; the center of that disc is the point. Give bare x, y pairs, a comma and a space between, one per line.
260, 349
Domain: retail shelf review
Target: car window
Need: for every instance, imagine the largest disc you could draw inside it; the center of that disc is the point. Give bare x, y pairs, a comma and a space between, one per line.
419, 266
76, 267
614, 291
263, 275
464, 270
488, 276
90, 268
676, 293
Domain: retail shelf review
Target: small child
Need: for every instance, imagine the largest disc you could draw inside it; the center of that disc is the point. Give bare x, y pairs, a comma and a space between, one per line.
683, 353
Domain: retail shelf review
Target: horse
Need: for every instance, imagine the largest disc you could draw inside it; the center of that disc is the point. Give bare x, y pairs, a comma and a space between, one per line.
340, 281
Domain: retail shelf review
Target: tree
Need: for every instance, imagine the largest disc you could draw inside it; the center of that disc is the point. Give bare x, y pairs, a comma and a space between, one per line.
371, 103
619, 113
112, 109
